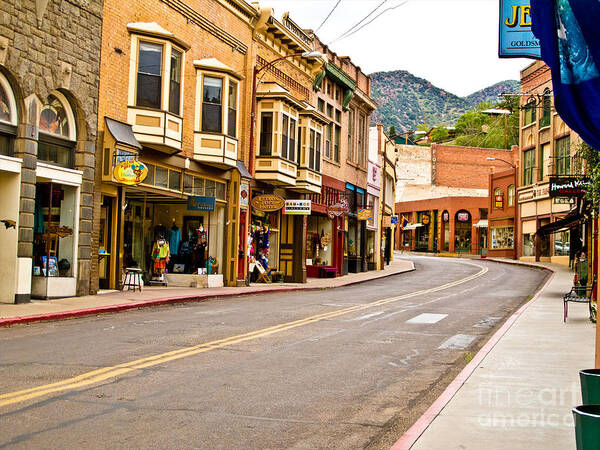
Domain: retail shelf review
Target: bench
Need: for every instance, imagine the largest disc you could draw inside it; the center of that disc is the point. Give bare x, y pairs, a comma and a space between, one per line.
327, 272
579, 294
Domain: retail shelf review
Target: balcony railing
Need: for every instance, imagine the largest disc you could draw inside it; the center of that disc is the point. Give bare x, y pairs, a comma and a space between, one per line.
215, 149
156, 129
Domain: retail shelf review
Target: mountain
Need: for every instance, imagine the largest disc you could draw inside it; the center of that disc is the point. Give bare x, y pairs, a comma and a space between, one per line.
406, 101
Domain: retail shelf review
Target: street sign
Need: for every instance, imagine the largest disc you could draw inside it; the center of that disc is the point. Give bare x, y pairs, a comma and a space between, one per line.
394, 220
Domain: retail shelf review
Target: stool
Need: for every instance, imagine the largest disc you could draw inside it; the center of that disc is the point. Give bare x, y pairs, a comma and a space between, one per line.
133, 278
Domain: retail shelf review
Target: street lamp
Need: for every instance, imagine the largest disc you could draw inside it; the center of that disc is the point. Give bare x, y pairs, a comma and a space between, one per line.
515, 203
255, 72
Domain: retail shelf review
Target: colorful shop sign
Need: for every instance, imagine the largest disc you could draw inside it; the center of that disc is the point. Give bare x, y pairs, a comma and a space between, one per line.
199, 203
364, 214
394, 220
130, 172
297, 207
244, 194
499, 201
463, 216
337, 209
516, 38
568, 186
268, 203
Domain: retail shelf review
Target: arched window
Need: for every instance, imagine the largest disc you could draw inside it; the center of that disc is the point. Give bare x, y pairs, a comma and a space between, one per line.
8, 117
511, 195
497, 191
530, 112
547, 104
57, 131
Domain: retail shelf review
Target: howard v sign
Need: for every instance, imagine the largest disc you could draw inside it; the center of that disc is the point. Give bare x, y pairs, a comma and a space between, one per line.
568, 187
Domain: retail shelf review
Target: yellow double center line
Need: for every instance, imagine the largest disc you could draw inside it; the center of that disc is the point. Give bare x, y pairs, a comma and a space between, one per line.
96, 376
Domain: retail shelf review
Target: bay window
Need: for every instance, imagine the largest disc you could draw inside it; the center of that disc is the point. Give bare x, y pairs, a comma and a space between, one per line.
266, 134
232, 110
175, 82
212, 104
149, 75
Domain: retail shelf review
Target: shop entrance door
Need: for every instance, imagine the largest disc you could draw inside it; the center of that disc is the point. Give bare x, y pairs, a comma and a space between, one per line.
105, 244
242, 246
286, 251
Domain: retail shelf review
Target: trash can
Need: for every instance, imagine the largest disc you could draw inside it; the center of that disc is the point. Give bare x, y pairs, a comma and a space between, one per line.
587, 426
590, 386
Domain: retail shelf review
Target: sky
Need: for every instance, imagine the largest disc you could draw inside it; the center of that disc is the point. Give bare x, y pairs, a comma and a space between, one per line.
451, 43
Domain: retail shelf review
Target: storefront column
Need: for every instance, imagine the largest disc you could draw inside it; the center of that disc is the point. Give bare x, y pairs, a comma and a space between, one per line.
26, 149
431, 231
451, 246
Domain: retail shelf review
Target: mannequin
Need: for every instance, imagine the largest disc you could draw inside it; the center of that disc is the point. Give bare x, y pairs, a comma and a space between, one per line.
160, 257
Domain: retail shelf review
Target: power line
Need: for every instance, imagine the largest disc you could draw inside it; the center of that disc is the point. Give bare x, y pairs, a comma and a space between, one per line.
373, 19
359, 22
328, 16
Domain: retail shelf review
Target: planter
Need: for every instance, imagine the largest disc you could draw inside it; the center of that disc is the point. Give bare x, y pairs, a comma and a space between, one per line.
590, 386
587, 426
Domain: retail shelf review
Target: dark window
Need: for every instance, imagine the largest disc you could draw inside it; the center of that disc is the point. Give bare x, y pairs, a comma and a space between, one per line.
351, 135
174, 180
284, 137
6, 145
563, 156
311, 153
545, 120
328, 141
211, 104
56, 151
292, 149
198, 186
330, 111
299, 147
266, 134
530, 112
528, 166
188, 184
175, 82
321, 105
161, 177
232, 110
318, 153
150, 178
336, 148
149, 77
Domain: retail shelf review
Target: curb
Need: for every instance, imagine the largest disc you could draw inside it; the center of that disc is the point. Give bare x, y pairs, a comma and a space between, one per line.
61, 315
411, 436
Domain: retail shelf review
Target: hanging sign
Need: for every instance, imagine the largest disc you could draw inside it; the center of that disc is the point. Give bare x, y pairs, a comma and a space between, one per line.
394, 220
516, 37
463, 216
268, 203
198, 203
364, 214
445, 216
297, 207
568, 187
244, 194
499, 201
130, 172
387, 221
337, 209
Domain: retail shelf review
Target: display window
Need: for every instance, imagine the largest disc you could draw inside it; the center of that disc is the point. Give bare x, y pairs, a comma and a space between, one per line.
54, 221
502, 238
263, 241
319, 243
562, 243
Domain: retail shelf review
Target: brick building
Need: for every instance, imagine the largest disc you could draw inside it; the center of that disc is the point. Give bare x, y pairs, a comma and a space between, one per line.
175, 95
548, 148
443, 193
49, 74
502, 214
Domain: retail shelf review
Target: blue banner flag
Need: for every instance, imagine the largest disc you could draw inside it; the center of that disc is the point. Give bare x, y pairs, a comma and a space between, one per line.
569, 34
516, 40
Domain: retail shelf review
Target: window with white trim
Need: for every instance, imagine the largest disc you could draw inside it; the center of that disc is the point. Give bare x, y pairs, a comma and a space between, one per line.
8, 118
57, 131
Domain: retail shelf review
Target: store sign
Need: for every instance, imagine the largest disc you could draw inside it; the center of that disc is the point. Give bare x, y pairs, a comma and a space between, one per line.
394, 220
568, 187
374, 174
297, 207
516, 37
563, 201
268, 203
387, 221
198, 203
499, 201
446, 216
244, 194
130, 172
463, 217
364, 214
337, 209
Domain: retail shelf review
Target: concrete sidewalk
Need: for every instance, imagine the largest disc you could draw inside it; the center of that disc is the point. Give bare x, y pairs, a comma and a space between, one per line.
519, 390
114, 301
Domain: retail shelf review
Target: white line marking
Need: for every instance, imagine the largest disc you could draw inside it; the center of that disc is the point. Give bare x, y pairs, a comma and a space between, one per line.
366, 316
458, 342
427, 318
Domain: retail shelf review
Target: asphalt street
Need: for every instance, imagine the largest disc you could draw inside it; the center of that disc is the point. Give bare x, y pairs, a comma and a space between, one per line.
350, 367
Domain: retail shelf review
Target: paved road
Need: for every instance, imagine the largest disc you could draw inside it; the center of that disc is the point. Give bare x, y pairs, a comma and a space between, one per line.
345, 368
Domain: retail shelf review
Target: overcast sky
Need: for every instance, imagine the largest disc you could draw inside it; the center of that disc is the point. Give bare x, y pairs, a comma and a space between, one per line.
452, 43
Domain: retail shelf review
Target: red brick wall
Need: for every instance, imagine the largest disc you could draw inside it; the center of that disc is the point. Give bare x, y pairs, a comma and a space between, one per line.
467, 167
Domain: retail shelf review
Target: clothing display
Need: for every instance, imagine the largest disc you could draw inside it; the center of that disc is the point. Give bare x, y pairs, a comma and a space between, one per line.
160, 256
174, 239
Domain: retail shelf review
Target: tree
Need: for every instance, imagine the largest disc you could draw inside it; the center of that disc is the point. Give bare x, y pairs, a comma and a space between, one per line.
392, 131
440, 134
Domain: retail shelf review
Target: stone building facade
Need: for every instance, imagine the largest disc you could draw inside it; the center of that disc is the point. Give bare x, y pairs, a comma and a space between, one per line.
49, 75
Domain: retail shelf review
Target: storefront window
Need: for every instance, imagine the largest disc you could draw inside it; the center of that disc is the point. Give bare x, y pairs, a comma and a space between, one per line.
528, 244
263, 241
319, 241
161, 177
562, 244
462, 235
54, 220
502, 238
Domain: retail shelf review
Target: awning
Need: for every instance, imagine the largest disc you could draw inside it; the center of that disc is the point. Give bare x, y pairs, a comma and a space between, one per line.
122, 133
241, 167
413, 226
483, 223
569, 221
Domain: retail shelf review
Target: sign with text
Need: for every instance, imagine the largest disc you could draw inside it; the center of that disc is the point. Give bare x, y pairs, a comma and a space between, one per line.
268, 203
199, 203
130, 172
568, 187
394, 220
516, 40
297, 207
337, 209
364, 214
463, 216
499, 201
